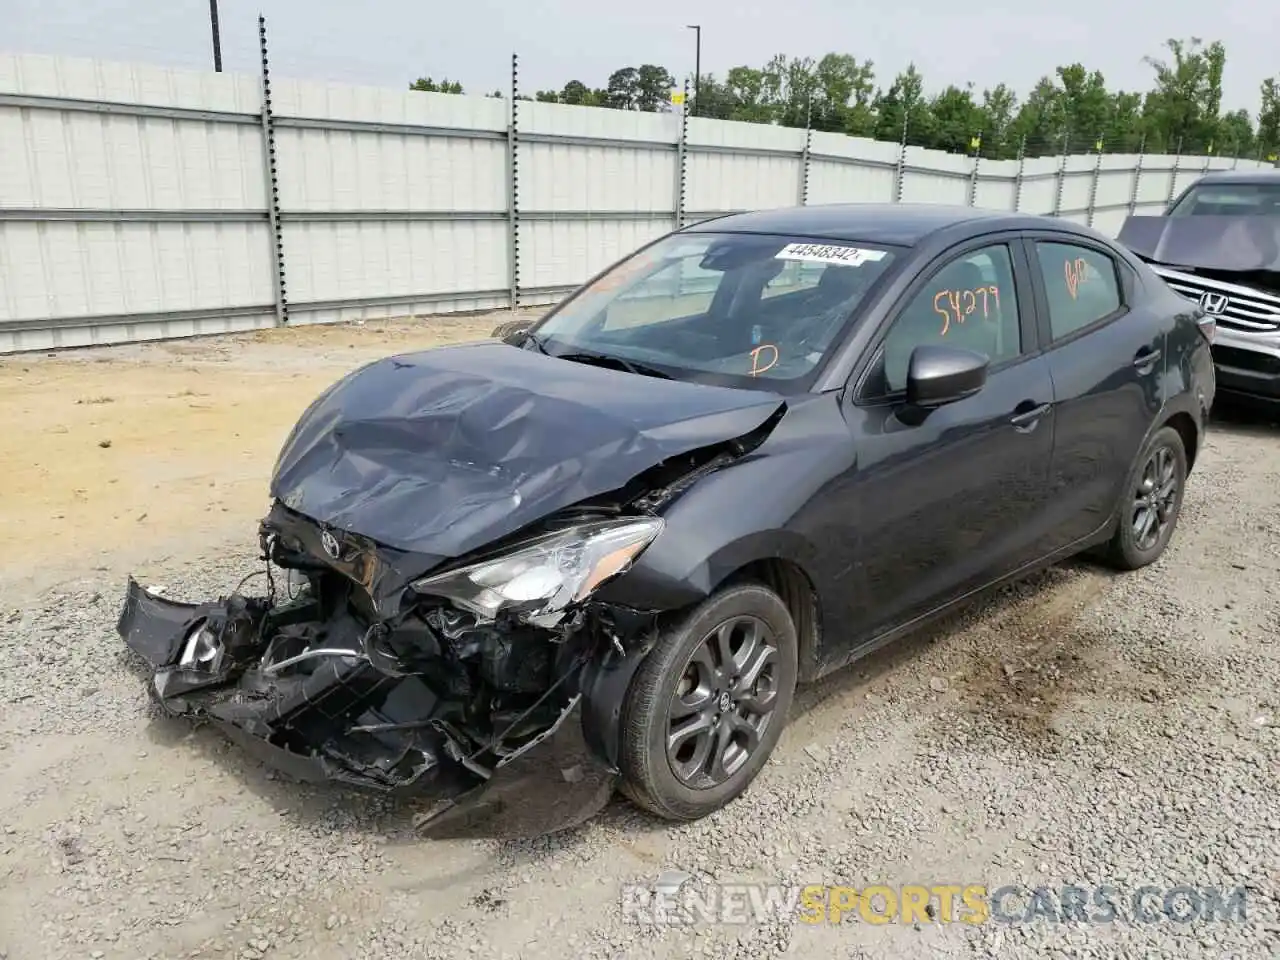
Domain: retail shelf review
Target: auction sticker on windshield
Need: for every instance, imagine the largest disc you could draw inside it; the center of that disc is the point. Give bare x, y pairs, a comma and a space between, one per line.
828, 253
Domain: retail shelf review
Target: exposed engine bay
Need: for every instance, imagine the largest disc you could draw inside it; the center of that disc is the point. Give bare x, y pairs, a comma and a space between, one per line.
411, 675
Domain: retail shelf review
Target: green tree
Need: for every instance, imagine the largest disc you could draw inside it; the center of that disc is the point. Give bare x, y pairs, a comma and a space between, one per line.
903, 110
1084, 106
1183, 107
1124, 133
1235, 135
427, 85
653, 88
1039, 121
843, 93
623, 88
750, 96
576, 93
1269, 118
1071, 108
957, 120
711, 98
999, 107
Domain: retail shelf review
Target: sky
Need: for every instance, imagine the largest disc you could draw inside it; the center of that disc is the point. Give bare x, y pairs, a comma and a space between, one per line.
389, 43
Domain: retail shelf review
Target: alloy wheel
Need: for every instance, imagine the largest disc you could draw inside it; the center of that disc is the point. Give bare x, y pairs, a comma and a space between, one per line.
723, 703
1155, 499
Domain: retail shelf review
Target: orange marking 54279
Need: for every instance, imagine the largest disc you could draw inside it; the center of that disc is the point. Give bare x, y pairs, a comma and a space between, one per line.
963, 303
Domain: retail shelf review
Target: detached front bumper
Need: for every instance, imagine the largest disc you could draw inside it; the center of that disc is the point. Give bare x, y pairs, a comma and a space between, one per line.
330, 715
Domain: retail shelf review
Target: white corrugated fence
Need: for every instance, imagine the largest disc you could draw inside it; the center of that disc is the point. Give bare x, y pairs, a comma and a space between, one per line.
138, 202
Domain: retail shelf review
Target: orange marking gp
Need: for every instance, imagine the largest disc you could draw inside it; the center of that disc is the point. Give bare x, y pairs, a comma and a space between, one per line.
1078, 271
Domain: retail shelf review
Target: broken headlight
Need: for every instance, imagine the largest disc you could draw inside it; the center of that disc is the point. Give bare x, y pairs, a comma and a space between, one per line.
545, 575
202, 650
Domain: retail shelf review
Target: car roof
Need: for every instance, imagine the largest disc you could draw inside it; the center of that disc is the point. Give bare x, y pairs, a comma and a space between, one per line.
1270, 175
900, 224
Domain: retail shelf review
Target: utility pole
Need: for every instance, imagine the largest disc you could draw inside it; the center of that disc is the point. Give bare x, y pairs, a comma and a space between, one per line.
217, 39
697, 64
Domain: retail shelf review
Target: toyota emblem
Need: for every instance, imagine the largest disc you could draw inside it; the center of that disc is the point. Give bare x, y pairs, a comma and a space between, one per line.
330, 544
1214, 304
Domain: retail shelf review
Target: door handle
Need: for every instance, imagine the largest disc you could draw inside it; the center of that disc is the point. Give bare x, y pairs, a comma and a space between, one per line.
1146, 359
1027, 414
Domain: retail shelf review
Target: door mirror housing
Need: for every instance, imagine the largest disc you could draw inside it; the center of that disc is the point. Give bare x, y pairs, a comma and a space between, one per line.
937, 376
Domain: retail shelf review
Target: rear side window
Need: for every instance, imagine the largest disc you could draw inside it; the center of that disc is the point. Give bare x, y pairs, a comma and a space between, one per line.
1081, 285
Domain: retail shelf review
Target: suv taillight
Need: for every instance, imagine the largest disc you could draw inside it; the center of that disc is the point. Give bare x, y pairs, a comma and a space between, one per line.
1208, 326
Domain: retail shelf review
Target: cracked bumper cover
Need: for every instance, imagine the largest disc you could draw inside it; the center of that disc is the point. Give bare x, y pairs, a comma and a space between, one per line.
345, 721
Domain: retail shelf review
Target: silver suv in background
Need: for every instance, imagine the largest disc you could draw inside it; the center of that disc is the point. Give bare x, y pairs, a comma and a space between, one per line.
1218, 244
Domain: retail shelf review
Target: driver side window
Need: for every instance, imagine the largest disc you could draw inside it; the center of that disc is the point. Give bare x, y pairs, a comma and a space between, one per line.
969, 303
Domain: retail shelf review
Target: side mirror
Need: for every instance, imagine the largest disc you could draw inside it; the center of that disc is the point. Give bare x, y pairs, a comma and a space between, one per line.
512, 331
937, 376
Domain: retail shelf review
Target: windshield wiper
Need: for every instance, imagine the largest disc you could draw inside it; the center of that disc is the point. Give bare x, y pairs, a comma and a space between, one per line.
605, 359
537, 343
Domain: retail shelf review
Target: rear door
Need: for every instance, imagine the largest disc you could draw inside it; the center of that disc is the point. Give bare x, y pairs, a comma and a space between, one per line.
1107, 360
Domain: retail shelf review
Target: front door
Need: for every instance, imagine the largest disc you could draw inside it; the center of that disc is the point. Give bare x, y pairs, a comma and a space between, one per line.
944, 506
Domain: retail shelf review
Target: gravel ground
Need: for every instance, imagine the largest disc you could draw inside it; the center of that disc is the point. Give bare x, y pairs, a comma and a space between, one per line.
1079, 728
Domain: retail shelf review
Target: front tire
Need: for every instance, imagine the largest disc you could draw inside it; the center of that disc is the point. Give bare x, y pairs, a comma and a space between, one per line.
708, 704
1151, 502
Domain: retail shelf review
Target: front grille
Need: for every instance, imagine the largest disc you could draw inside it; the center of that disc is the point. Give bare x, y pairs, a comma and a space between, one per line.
1248, 310
1250, 360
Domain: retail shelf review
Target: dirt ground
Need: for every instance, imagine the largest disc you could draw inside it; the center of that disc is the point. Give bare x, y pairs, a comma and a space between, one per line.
124, 456
1077, 728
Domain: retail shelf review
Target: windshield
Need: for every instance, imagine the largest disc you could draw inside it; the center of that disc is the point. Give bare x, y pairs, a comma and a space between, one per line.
1230, 200
735, 309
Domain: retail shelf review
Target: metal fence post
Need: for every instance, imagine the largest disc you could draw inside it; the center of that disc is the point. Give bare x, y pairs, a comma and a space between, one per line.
900, 174
1137, 176
1017, 180
804, 157
513, 187
1173, 177
1062, 174
1093, 186
682, 158
272, 174
975, 144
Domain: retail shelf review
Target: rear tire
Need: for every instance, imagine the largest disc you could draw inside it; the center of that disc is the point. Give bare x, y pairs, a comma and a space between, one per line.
1150, 503
708, 704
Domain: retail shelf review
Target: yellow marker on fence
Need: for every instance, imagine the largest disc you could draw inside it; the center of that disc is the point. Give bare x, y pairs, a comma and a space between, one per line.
677, 98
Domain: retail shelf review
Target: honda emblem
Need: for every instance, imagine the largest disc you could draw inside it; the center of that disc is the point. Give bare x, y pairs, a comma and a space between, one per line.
1214, 304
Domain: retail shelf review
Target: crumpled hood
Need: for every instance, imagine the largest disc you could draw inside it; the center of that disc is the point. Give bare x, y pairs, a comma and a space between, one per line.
443, 451
1211, 243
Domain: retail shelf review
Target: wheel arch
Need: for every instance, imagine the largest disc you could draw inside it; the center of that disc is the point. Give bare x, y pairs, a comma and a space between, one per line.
774, 559
1187, 429
795, 587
